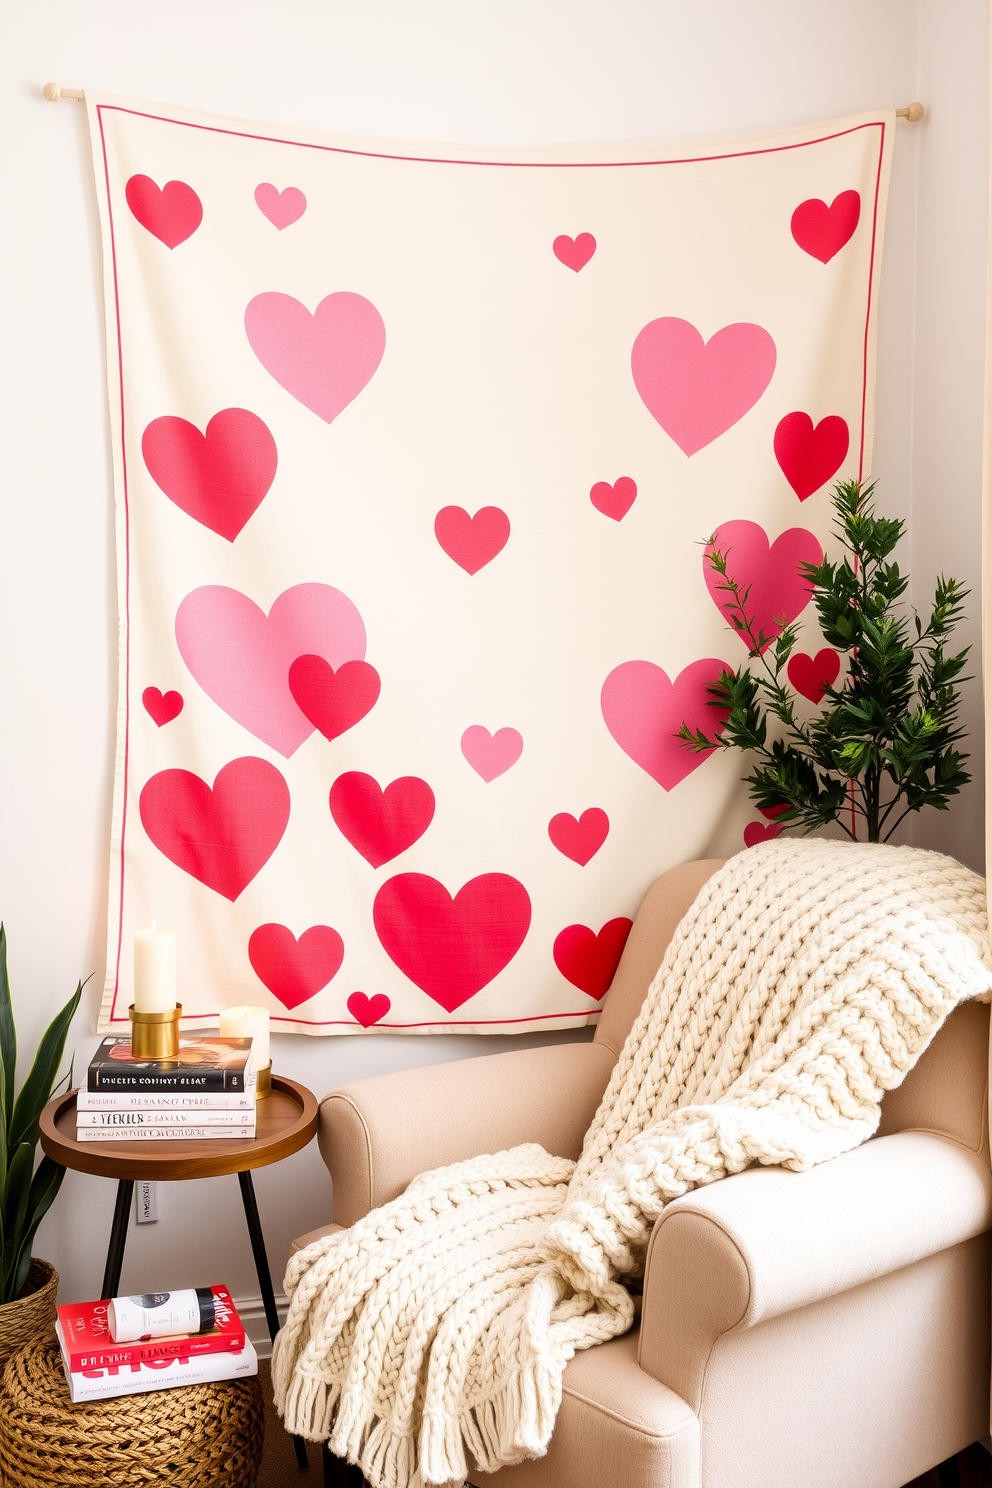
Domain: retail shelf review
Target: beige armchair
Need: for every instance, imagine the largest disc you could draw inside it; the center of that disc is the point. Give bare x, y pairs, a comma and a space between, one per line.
827, 1329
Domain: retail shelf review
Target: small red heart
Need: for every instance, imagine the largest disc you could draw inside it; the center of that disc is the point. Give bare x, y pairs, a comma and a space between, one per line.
171, 213
579, 839
381, 824
163, 707
333, 701
822, 231
810, 456
574, 253
771, 812
368, 1010
589, 961
614, 501
756, 832
812, 675
295, 970
472, 541
219, 477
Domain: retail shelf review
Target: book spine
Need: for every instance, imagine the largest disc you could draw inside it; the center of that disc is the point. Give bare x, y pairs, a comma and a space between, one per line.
166, 1374
116, 1356
198, 1082
113, 1120
163, 1133
90, 1100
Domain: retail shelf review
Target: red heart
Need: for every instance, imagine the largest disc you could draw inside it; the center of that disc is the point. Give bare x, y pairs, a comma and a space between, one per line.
579, 840
614, 501
295, 970
172, 212
771, 812
163, 707
776, 590
217, 478
223, 835
808, 456
451, 948
589, 961
574, 253
756, 832
822, 231
472, 541
333, 701
368, 1010
812, 675
381, 823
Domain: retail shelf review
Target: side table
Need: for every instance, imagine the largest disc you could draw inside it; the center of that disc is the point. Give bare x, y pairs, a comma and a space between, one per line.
285, 1121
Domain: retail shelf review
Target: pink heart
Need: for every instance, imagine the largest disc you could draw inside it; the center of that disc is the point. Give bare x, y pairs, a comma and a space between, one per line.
574, 253
644, 710
777, 590
241, 657
171, 213
589, 961
295, 970
368, 1010
579, 840
812, 675
472, 541
491, 754
756, 832
614, 501
221, 835
282, 208
381, 824
822, 231
324, 359
217, 478
810, 456
696, 389
163, 707
333, 700
450, 948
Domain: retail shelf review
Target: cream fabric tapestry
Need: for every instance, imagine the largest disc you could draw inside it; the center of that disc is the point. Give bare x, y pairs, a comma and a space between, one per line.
417, 449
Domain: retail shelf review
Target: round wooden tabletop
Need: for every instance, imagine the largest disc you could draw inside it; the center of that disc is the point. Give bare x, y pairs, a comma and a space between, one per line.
285, 1121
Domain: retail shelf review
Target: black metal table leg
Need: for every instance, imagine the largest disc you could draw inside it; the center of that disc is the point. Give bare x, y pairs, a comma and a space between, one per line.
118, 1238
265, 1283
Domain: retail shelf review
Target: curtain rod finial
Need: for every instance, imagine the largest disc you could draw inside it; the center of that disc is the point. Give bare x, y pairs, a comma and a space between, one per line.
913, 112
54, 93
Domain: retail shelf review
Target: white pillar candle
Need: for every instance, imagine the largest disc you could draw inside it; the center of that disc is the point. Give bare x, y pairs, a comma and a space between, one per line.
248, 1022
154, 970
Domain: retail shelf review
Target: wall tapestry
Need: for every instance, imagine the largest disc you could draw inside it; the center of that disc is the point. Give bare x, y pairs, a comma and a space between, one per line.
417, 449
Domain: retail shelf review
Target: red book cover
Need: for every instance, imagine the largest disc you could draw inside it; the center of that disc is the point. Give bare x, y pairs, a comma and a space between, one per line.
88, 1344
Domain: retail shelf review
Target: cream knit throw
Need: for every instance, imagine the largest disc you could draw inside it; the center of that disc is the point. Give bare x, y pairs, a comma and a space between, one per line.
804, 982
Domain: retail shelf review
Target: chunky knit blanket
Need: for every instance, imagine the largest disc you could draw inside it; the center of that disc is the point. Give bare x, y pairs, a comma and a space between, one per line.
804, 982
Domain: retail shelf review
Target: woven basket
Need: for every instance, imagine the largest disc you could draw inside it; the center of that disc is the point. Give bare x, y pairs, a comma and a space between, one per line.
194, 1436
33, 1314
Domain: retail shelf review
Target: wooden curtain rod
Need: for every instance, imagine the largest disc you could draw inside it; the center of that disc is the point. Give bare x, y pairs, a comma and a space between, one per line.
52, 91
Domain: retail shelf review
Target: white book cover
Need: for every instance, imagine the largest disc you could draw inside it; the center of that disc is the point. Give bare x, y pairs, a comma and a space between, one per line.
161, 1374
163, 1133
115, 1119
98, 1100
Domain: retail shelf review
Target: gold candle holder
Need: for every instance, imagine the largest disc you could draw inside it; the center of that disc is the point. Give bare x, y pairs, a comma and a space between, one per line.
263, 1082
155, 1035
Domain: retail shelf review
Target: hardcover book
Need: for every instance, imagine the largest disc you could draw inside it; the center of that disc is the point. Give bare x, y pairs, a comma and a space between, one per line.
203, 1065
184, 1100
157, 1374
240, 1121
84, 1336
163, 1133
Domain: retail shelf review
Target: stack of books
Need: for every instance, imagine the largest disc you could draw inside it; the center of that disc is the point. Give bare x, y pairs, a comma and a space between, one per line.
207, 1090
96, 1368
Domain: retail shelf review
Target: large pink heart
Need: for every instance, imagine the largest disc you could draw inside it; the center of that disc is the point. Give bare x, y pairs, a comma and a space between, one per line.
381, 824
451, 948
295, 970
324, 359
241, 657
222, 835
777, 590
644, 710
696, 389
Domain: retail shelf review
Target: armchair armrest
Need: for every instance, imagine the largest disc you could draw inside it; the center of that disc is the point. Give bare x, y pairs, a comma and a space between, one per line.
376, 1135
768, 1241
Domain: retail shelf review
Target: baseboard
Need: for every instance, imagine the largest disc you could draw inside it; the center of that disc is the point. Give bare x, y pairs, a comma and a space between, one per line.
252, 1314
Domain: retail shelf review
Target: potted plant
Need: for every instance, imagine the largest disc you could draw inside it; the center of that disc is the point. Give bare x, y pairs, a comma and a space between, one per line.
882, 739
27, 1285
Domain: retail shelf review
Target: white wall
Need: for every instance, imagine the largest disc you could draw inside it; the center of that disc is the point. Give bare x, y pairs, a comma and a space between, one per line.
520, 71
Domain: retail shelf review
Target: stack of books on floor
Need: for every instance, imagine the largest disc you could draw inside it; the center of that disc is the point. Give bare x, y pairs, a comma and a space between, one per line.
97, 1368
206, 1091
